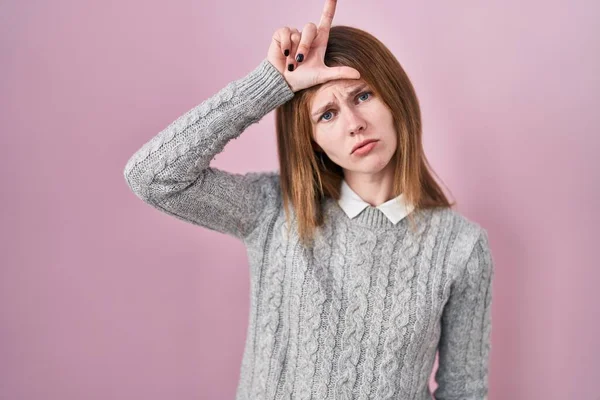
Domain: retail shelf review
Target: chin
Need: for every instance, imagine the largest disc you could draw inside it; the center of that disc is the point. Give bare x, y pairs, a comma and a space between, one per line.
366, 169
367, 165
372, 164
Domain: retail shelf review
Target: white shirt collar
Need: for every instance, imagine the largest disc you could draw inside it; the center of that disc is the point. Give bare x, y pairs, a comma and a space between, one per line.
394, 209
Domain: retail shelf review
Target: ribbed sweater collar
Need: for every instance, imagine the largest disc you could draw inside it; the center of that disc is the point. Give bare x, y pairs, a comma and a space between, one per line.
369, 217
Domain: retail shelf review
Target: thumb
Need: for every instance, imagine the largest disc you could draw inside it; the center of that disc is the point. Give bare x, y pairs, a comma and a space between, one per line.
339, 73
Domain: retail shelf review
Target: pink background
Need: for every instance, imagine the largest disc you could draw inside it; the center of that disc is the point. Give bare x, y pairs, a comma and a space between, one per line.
103, 297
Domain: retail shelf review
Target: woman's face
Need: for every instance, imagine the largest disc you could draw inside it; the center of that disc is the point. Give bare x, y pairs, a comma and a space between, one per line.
354, 114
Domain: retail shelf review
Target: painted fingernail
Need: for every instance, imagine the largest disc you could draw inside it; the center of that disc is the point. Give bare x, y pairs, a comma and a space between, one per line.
286, 52
300, 57
290, 67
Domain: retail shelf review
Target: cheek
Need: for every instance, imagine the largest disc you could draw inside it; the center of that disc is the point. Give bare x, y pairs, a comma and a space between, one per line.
391, 146
393, 139
390, 129
334, 149
326, 141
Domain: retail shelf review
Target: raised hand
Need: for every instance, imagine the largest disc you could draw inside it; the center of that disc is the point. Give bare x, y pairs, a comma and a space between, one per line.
309, 68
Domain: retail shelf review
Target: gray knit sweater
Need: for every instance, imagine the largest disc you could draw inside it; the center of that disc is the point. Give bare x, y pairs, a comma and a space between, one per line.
362, 313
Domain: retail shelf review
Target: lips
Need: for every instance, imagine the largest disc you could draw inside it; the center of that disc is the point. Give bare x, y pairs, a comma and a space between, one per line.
361, 144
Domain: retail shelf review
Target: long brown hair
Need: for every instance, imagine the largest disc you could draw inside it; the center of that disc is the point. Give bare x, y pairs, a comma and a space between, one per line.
305, 181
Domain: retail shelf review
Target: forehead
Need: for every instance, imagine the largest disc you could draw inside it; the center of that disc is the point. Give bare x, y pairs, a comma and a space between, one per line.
337, 87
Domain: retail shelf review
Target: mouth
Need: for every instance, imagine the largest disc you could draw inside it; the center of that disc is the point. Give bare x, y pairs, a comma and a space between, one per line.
361, 144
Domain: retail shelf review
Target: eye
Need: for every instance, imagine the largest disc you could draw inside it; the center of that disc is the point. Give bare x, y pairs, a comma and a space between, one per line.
324, 114
365, 93
361, 95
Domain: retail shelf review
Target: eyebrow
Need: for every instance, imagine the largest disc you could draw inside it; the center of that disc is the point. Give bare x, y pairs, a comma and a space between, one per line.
352, 93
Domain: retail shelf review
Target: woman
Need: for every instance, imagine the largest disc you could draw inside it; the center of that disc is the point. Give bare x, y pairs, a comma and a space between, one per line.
349, 299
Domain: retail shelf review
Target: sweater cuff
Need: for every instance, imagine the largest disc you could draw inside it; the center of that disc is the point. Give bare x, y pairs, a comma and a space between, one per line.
265, 88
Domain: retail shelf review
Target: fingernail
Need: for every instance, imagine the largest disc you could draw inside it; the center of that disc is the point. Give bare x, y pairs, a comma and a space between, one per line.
290, 67
287, 53
300, 57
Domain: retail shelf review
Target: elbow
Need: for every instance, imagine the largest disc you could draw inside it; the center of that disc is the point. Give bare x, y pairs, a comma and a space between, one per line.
138, 181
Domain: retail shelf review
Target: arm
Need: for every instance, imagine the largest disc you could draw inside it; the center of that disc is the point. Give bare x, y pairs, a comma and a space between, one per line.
464, 346
171, 172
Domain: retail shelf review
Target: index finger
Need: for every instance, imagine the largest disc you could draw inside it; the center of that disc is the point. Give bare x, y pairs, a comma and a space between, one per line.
327, 16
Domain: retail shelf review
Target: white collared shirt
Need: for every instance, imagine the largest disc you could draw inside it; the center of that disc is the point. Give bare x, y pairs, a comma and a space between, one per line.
353, 204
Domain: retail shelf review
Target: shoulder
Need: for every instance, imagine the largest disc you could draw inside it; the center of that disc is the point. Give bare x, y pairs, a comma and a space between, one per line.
469, 231
265, 194
269, 178
466, 236
451, 220
266, 183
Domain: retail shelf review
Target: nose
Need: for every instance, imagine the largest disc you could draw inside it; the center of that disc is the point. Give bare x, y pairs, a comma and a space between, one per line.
355, 122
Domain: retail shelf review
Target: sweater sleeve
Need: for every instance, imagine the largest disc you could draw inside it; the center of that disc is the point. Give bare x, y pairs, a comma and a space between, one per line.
171, 171
464, 346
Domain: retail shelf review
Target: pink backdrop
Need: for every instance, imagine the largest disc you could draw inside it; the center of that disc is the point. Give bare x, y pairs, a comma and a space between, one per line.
103, 297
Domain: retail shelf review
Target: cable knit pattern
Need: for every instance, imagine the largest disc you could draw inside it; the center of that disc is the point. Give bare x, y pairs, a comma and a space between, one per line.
359, 315
330, 323
398, 335
359, 271
375, 315
315, 299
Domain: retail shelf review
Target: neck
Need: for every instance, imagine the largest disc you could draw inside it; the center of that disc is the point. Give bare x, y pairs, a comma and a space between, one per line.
374, 189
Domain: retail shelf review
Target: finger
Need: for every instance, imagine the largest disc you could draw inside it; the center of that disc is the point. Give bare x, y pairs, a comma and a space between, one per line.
283, 35
332, 73
308, 35
295, 41
327, 16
